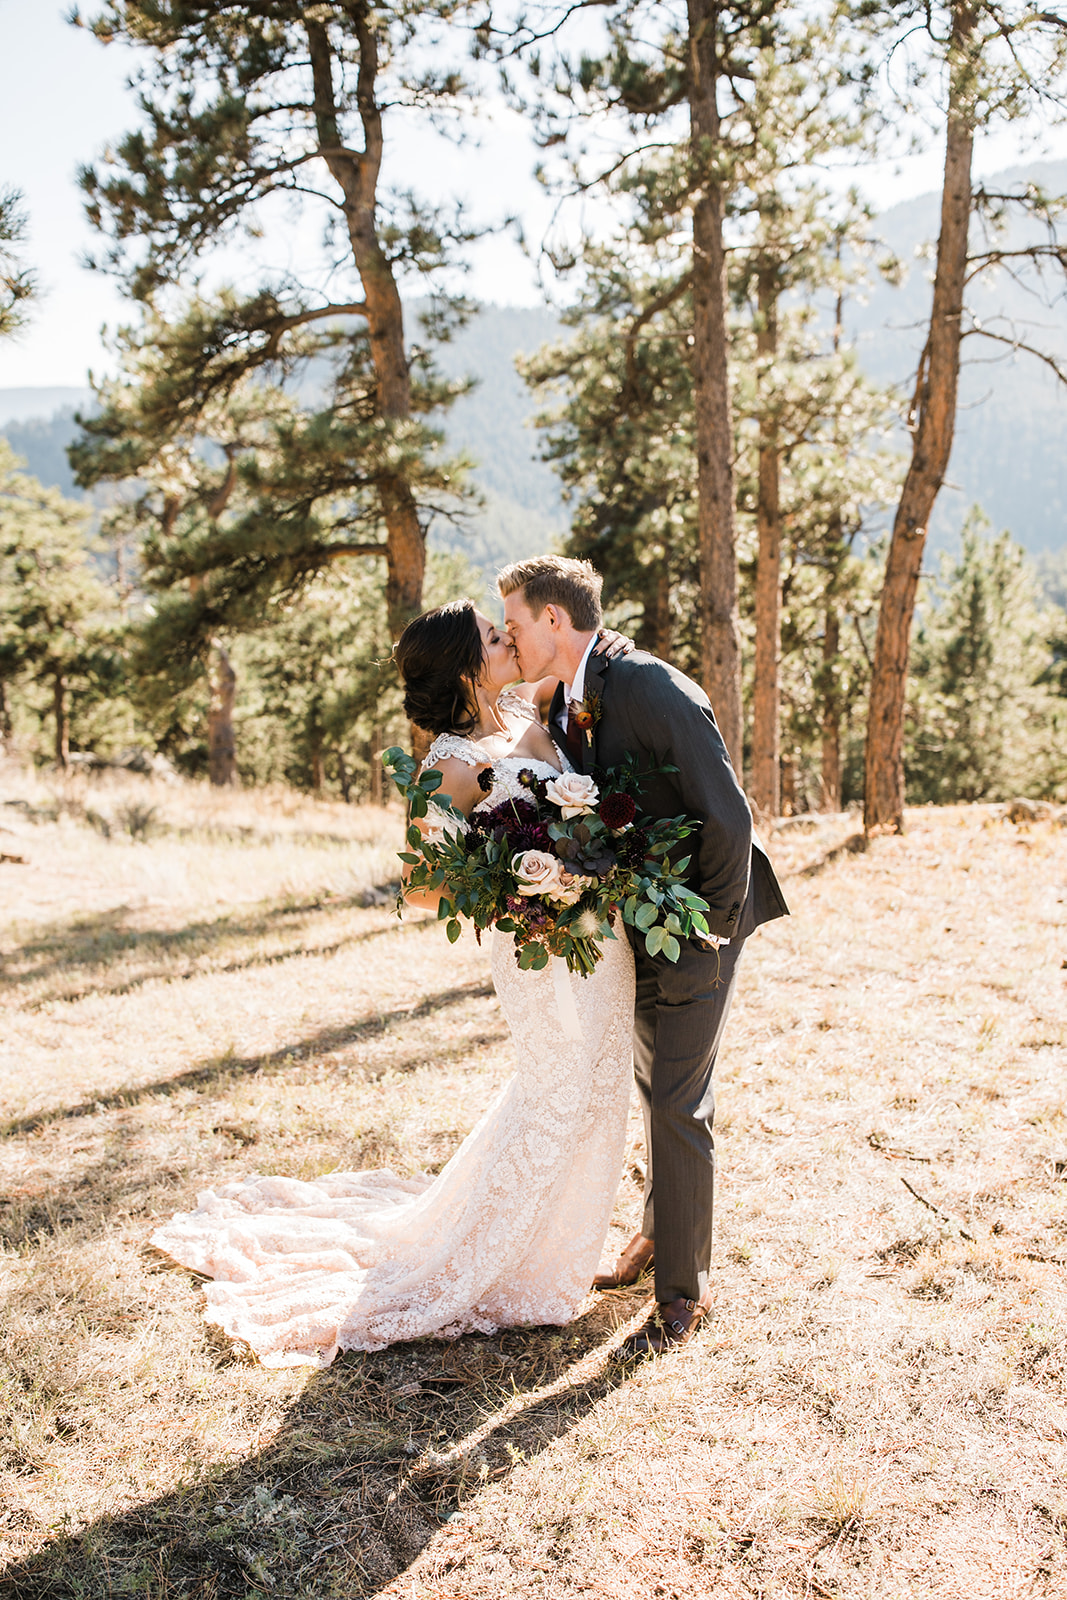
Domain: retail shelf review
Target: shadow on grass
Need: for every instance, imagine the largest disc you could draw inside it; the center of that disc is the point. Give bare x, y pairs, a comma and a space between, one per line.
217, 1069
374, 1456
855, 845
157, 827
89, 943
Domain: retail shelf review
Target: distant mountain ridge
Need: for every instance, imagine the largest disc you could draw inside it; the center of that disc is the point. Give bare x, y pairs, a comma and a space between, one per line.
1010, 454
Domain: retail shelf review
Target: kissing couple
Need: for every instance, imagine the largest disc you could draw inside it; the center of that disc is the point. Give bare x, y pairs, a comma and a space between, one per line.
511, 1230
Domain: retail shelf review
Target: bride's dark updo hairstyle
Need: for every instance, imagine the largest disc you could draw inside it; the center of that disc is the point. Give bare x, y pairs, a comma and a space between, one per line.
439, 656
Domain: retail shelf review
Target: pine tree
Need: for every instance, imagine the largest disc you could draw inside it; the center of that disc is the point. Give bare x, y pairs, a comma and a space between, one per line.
807, 427
801, 244
321, 695
18, 284
984, 719
53, 609
655, 63
998, 61
244, 105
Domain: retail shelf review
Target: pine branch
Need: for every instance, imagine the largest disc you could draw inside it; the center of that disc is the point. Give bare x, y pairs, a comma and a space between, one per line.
332, 551
1034, 252
1020, 344
660, 303
280, 325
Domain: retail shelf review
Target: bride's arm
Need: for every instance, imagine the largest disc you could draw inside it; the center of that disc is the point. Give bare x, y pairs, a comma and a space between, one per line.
460, 782
609, 643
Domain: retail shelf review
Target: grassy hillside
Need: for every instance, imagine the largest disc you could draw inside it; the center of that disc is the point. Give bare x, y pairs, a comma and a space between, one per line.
196, 986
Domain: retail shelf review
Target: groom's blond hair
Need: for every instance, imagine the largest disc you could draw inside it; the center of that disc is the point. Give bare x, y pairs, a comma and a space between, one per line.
561, 581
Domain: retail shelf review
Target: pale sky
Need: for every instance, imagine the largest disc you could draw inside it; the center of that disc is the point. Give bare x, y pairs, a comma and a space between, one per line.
63, 96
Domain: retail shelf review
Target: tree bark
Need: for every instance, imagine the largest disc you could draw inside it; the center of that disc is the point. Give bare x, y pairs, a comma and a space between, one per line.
6, 726
357, 173
656, 632
59, 712
377, 771
765, 782
221, 745
789, 785
318, 765
933, 422
720, 620
830, 770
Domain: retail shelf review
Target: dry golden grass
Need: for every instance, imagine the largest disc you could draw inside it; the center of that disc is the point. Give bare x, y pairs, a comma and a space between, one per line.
878, 1407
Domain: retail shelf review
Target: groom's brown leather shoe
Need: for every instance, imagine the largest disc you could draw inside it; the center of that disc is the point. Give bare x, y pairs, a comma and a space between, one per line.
673, 1323
635, 1259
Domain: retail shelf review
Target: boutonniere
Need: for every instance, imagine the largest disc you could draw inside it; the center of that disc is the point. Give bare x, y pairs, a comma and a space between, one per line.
586, 713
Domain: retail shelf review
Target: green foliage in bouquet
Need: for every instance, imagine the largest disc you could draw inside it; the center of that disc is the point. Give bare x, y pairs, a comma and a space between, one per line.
553, 867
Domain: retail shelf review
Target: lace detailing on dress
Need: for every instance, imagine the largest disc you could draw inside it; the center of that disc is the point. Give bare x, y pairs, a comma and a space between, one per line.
510, 1231
506, 785
514, 704
456, 744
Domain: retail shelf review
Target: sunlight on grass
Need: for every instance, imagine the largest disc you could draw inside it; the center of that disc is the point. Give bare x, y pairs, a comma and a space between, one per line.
196, 986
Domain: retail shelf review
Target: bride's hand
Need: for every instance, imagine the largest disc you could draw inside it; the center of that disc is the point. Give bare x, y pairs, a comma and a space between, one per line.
611, 644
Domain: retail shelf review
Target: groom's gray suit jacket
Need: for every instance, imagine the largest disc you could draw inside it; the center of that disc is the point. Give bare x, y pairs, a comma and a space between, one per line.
649, 708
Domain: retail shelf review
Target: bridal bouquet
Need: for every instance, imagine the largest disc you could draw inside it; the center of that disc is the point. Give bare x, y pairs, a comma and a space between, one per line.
553, 866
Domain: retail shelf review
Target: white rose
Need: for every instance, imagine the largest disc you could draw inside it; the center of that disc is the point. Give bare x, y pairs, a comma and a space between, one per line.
574, 792
571, 888
537, 872
442, 825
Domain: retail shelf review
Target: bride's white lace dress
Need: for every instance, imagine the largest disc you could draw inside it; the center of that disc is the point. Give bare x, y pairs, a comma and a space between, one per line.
510, 1231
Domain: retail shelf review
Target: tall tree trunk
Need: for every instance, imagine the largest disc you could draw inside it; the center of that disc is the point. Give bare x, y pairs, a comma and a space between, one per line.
59, 712
318, 765
933, 421
343, 778
357, 174
655, 632
720, 621
789, 784
830, 770
221, 745
6, 727
765, 781
377, 771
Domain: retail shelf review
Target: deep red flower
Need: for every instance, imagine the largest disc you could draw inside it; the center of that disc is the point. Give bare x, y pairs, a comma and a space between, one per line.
617, 810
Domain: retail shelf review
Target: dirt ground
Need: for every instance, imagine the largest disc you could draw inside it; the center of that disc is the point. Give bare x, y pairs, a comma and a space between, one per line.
193, 987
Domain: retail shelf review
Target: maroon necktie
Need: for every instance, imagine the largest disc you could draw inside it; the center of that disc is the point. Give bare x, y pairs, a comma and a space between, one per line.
573, 737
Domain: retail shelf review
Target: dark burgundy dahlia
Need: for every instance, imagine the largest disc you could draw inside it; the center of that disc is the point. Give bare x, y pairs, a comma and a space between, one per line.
535, 837
617, 810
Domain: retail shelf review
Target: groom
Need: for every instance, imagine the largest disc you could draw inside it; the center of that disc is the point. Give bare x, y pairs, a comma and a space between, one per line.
602, 710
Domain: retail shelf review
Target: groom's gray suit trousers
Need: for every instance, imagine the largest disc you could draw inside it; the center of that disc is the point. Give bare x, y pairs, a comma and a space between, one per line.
681, 1013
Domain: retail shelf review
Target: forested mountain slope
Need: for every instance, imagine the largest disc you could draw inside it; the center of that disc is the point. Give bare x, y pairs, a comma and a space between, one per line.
1010, 454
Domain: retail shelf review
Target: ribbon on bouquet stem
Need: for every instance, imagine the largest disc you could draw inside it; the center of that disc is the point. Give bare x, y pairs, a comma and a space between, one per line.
566, 1009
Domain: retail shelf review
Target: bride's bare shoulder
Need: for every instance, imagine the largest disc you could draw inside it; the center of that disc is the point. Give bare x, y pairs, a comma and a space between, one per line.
459, 775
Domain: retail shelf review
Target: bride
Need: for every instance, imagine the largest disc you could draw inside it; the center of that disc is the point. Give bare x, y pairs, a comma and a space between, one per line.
511, 1230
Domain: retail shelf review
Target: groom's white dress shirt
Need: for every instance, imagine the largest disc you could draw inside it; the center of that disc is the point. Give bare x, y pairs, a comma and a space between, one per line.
576, 690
